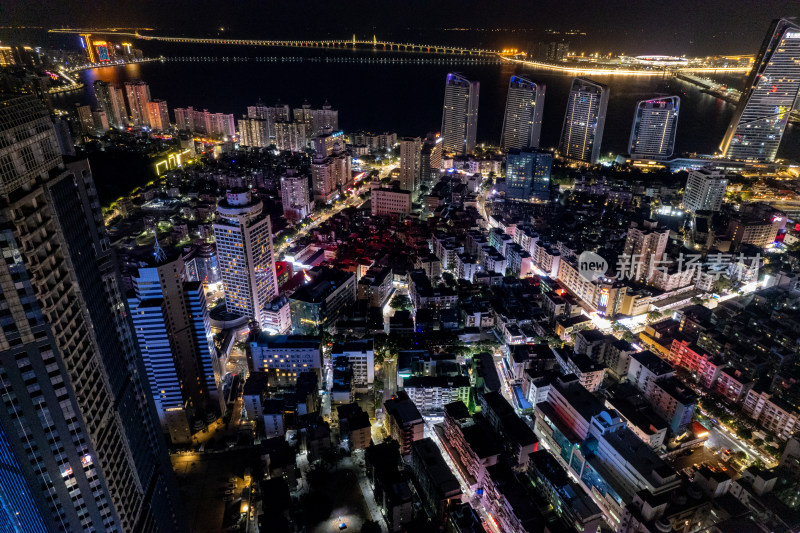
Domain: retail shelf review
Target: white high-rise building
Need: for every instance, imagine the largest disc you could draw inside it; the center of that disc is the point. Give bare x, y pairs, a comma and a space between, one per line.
522, 125
460, 114
655, 124
705, 189
771, 91
410, 163
243, 233
584, 120
295, 196
158, 115
138, 93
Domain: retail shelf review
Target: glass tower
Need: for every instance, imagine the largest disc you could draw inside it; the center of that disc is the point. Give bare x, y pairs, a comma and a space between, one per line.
77, 421
522, 124
655, 124
460, 114
757, 126
528, 175
584, 121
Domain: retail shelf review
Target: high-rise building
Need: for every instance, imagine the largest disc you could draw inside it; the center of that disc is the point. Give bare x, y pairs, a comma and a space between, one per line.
522, 124
138, 93
85, 119
295, 196
158, 115
769, 95
528, 175
70, 375
655, 124
111, 100
645, 245
584, 120
431, 158
460, 114
329, 173
100, 120
170, 317
705, 189
410, 163
290, 136
246, 257
317, 121
216, 125
254, 132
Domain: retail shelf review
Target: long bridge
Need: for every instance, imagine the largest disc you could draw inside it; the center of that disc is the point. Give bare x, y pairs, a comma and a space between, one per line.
322, 43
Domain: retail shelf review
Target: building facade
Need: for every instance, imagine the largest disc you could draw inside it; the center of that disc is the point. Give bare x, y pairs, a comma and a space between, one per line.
582, 133
522, 124
460, 114
655, 125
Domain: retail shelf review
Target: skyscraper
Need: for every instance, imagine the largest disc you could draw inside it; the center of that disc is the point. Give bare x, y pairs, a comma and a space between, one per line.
759, 121
655, 124
528, 175
138, 93
705, 189
329, 173
295, 196
522, 124
246, 257
460, 114
584, 120
78, 433
111, 100
410, 163
254, 132
431, 158
645, 245
158, 115
172, 325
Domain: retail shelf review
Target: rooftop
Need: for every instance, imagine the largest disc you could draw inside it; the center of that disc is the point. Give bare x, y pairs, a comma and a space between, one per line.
265, 340
652, 362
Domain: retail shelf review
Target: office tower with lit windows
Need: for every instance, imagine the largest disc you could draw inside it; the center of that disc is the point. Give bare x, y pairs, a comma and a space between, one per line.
79, 436
295, 196
460, 114
158, 115
584, 120
528, 175
138, 93
522, 124
410, 163
705, 190
243, 233
655, 124
171, 321
111, 100
769, 95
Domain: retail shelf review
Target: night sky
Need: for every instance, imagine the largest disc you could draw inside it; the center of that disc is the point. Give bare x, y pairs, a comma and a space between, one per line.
692, 27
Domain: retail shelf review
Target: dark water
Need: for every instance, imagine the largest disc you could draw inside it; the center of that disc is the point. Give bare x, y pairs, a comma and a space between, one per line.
407, 98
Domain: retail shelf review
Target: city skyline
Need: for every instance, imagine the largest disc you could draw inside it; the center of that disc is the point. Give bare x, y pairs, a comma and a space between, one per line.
390, 305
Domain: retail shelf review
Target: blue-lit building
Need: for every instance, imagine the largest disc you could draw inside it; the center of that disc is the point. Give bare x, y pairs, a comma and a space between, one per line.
528, 175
